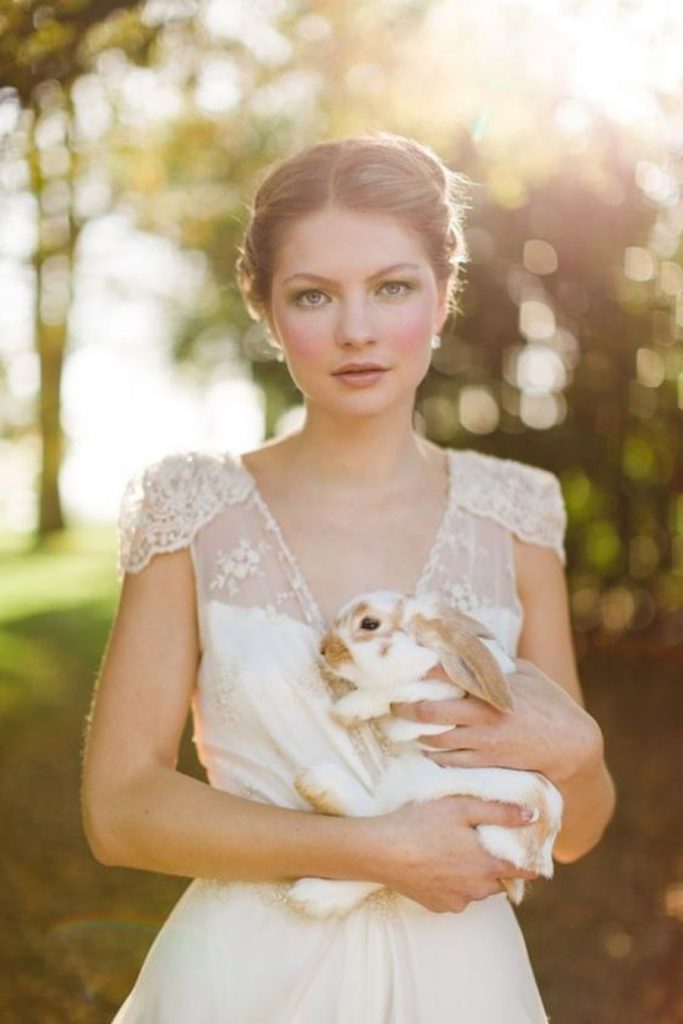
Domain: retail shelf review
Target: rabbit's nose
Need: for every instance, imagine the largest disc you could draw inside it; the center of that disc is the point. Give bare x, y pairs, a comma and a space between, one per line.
334, 650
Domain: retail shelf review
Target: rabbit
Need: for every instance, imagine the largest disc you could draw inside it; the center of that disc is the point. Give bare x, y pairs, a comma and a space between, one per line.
383, 642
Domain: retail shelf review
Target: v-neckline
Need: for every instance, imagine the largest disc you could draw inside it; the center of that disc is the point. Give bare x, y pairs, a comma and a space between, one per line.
299, 581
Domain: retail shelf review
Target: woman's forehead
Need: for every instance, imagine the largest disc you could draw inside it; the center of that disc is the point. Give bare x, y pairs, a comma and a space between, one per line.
331, 242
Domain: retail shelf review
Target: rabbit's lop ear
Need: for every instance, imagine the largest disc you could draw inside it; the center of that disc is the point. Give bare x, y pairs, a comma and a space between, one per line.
467, 661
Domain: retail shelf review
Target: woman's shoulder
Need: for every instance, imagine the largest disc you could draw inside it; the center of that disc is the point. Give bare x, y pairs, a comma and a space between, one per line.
478, 467
525, 499
189, 467
167, 500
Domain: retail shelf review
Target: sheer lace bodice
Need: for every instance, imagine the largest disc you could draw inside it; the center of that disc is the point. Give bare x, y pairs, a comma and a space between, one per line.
212, 504
261, 711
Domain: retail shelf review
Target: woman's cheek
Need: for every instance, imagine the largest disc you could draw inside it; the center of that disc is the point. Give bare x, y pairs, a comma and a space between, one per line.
410, 345
306, 355
306, 348
298, 331
411, 332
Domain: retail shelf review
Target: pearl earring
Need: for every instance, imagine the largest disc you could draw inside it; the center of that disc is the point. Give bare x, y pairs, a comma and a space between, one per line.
435, 341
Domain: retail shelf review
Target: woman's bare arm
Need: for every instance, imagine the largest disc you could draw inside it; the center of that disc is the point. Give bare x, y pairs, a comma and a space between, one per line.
546, 642
549, 730
140, 812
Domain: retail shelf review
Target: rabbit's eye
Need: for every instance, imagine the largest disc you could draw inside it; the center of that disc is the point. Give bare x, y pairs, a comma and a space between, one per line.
369, 623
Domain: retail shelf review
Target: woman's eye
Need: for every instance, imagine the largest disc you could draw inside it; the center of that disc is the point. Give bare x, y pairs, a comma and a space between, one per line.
397, 288
302, 295
313, 297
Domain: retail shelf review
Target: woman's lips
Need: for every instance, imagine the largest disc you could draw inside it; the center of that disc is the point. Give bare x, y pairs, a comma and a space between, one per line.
359, 378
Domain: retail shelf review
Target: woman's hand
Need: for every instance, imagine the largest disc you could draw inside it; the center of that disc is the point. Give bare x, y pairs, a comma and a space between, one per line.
431, 853
546, 731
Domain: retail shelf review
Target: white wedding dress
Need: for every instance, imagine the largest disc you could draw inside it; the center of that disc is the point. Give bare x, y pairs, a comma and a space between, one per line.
238, 953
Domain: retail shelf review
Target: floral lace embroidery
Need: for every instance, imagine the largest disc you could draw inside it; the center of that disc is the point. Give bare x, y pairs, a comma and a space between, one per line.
524, 499
233, 567
298, 586
463, 596
461, 538
165, 504
307, 601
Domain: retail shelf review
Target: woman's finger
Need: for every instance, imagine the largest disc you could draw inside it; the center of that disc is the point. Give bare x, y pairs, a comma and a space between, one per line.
463, 737
456, 758
451, 740
499, 812
447, 712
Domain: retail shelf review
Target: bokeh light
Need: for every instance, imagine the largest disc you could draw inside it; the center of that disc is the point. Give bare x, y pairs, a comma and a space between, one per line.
566, 351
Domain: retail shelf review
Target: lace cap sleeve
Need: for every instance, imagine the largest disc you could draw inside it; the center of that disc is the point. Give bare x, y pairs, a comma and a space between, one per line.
525, 499
165, 503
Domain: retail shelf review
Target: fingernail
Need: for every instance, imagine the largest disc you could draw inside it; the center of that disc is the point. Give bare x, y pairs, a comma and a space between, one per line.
530, 814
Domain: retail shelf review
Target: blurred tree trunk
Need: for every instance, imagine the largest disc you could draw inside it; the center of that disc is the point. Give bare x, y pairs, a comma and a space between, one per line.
51, 163
43, 51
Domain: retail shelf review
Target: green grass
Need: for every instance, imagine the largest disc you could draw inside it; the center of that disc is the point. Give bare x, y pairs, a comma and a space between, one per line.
73, 933
70, 568
54, 604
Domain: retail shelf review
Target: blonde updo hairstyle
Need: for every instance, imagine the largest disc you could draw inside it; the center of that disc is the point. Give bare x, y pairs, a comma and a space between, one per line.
378, 173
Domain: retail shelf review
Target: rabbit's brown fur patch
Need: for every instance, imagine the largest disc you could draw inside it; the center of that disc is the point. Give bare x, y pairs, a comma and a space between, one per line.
335, 651
324, 803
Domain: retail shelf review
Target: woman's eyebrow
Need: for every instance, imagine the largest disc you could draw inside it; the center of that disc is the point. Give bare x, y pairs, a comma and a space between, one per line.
378, 273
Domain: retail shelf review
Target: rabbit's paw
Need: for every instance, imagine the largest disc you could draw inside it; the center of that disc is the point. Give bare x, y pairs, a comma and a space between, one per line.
515, 889
403, 730
323, 897
358, 707
326, 788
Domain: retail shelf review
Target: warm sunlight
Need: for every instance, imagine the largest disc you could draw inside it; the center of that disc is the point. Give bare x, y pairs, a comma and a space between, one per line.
195, 782
605, 58
529, 84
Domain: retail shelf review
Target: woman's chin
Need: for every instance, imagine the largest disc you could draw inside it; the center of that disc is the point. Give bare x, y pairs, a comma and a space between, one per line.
361, 404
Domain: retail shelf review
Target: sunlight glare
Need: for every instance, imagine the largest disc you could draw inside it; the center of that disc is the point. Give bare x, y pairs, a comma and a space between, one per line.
607, 57
624, 54
121, 413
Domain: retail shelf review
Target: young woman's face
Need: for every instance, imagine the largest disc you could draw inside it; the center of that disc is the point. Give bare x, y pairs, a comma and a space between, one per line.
355, 287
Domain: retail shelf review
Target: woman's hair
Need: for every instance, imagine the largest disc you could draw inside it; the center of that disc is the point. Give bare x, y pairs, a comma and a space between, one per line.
377, 173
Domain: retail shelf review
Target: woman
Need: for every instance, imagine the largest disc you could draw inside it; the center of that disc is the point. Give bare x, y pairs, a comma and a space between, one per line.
233, 567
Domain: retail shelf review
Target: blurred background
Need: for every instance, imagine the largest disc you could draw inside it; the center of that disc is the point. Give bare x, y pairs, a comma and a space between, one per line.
131, 139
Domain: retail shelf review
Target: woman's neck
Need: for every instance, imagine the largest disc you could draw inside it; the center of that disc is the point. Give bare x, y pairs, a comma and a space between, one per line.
359, 457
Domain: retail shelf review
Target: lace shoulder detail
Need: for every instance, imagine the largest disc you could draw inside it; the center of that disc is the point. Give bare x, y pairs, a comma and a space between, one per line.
525, 499
166, 502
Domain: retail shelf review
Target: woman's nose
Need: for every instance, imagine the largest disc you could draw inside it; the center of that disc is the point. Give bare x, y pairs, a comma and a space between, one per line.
355, 323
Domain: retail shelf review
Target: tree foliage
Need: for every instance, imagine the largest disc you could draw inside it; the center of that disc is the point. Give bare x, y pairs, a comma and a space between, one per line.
41, 42
568, 349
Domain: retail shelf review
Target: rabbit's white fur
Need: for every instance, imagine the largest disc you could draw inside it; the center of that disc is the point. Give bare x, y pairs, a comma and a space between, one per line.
383, 642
